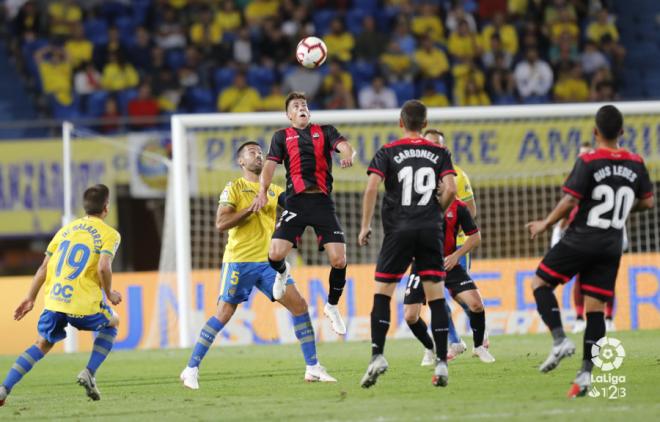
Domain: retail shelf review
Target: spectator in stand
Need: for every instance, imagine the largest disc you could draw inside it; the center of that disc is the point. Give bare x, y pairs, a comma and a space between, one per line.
258, 10
304, 80
139, 53
168, 90
340, 98
603, 25
239, 98
496, 50
157, 62
553, 11
78, 48
228, 17
110, 117
274, 100
614, 52
205, 32
433, 98
63, 15
143, 108
370, 43
340, 43
456, 14
472, 95
299, 24
102, 52
395, 64
463, 71
55, 71
533, 37
118, 74
403, 37
170, 31
377, 95
27, 23
604, 91
501, 83
86, 81
564, 26
427, 23
337, 72
274, 45
506, 32
464, 44
571, 86
242, 52
565, 51
431, 61
604, 77
592, 59
533, 78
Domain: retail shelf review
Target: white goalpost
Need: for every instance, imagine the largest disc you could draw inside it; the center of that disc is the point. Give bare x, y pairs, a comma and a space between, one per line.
184, 126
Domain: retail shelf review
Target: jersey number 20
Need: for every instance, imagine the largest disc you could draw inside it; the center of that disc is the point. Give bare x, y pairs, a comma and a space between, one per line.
621, 202
422, 180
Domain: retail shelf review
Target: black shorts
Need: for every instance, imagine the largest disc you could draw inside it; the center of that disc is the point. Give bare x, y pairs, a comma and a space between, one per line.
458, 280
401, 247
597, 271
309, 209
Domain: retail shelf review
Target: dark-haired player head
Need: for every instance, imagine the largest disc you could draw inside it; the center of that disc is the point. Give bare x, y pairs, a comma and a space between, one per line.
251, 160
95, 201
412, 169
607, 184
306, 151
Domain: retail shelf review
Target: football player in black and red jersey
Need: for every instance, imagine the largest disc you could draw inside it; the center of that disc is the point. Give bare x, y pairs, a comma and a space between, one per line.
458, 282
412, 168
607, 183
306, 151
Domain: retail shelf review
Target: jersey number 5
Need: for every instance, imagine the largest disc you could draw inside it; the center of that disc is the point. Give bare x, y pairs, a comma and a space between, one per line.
621, 202
422, 180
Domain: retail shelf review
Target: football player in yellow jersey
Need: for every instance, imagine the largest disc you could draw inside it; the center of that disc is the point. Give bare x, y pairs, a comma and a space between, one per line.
245, 265
75, 272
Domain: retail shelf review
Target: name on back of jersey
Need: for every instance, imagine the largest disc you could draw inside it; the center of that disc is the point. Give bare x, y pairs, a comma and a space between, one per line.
614, 170
416, 153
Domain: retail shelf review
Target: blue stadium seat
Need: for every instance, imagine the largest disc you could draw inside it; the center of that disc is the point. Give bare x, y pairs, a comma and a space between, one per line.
126, 26
96, 31
322, 19
124, 97
64, 112
175, 59
362, 72
223, 77
113, 10
353, 20
367, 6
261, 78
384, 19
404, 91
96, 103
201, 100
28, 50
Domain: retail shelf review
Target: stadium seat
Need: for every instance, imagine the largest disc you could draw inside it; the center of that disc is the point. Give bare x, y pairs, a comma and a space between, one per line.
384, 19
367, 6
126, 26
96, 103
322, 19
124, 97
404, 91
113, 10
362, 71
96, 31
64, 112
175, 59
354, 20
223, 77
201, 100
261, 78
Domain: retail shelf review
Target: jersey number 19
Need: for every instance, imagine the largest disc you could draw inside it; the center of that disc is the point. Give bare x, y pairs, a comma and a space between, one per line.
422, 180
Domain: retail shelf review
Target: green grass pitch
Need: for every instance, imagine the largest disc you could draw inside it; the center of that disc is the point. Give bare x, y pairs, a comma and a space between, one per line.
265, 383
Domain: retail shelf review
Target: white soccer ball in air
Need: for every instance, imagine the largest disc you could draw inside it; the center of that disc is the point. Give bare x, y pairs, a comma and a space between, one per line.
311, 52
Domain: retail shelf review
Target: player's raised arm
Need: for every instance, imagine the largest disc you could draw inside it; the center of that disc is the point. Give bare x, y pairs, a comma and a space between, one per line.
227, 217
563, 209
347, 153
368, 205
38, 281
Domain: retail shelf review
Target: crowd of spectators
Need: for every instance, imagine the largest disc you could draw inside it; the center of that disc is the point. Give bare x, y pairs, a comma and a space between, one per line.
149, 57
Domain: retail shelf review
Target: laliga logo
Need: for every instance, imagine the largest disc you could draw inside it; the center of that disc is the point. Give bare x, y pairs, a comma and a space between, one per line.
608, 354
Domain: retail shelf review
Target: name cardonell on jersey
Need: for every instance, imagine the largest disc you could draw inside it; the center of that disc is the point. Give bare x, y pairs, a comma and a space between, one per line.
412, 170
606, 182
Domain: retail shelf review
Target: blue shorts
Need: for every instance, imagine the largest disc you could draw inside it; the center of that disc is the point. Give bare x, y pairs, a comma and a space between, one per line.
51, 324
465, 261
239, 278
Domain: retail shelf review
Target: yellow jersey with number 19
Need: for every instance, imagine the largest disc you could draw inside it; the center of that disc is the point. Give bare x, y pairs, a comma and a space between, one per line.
464, 193
72, 282
249, 241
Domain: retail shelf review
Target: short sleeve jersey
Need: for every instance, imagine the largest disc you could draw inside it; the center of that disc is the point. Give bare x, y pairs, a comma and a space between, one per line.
307, 156
72, 284
249, 241
457, 220
606, 182
465, 193
411, 169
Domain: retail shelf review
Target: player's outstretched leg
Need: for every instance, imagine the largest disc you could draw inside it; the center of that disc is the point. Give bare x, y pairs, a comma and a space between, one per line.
380, 324
336, 283
102, 347
548, 307
23, 365
207, 335
411, 313
594, 331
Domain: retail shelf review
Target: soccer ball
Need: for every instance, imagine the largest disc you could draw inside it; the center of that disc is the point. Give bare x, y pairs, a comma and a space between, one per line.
311, 52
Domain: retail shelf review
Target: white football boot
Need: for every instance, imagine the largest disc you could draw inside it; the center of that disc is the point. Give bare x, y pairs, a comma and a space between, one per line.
377, 367
564, 349
279, 286
429, 357
483, 354
332, 312
318, 373
190, 376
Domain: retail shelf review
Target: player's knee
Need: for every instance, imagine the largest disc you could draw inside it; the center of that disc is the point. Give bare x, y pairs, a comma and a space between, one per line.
539, 282
410, 314
44, 345
111, 331
114, 320
225, 311
476, 307
299, 307
338, 261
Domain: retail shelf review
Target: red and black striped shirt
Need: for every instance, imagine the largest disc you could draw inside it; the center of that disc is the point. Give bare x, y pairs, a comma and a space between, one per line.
457, 218
307, 156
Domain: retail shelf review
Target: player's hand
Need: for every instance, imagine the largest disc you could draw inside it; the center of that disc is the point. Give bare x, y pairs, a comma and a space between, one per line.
536, 227
451, 261
259, 202
364, 237
23, 309
114, 297
347, 161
